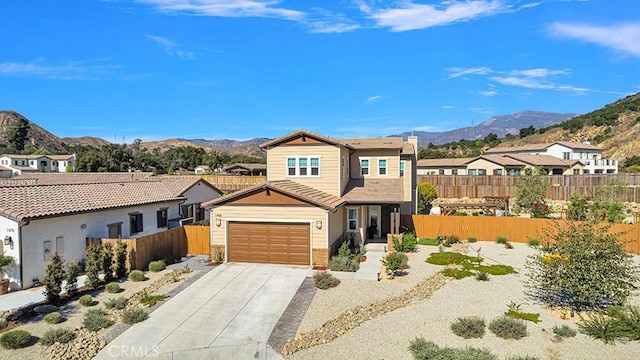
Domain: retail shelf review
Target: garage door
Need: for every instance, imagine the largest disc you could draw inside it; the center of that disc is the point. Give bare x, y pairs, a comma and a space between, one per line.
275, 243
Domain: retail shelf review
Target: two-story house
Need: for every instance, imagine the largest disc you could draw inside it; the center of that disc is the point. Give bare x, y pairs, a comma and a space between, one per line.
20, 164
589, 155
319, 191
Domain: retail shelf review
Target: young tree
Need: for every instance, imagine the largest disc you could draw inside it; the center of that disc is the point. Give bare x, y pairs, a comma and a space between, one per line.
531, 188
426, 194
582, 266
73, 271
106, 259
121, 259
92, 266
53, 279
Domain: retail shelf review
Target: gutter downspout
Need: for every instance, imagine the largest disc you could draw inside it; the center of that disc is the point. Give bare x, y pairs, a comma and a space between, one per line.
21, 224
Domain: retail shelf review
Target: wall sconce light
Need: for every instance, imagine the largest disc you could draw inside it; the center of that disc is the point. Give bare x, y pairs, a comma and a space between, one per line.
8, 240
218, 222
319, 224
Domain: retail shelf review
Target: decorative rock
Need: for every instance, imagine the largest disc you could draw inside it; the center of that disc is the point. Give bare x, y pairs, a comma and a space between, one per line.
15, 315
45, 309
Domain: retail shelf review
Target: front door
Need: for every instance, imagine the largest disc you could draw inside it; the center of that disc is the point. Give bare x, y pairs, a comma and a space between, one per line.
374, 222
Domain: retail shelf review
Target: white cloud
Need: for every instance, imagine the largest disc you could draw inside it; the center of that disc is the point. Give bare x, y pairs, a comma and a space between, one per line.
170, 47
489, 93
226, 8
325, 27
412, 16
485, 110
447, 107
622, 37
427, 128
455, 72
71, 70
537, 73
374, 98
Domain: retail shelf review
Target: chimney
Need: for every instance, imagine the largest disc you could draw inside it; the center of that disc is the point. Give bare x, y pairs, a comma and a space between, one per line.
413, 140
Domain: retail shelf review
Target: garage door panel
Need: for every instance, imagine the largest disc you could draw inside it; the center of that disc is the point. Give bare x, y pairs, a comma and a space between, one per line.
280, 243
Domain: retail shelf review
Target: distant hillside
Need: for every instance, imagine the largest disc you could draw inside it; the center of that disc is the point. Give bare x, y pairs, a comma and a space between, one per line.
37, 137
615, 128
233, 147
85, 141
500, 125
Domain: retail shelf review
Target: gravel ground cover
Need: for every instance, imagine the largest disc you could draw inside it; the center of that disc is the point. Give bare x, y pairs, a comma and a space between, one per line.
388, 336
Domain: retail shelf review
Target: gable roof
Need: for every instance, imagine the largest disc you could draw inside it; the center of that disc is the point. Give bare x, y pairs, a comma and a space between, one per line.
502, 160
542, 147
407, 149
578, 145
287, 187
302, 133
542, 160
178, 185
246, 166
40, 201
367, 191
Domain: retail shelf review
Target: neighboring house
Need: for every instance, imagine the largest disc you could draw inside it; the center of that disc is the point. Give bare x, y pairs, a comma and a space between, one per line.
246, 169
550, 165
5, 172
20, 164
202, 169
447, 166
319, 190
589, 155
511, 164
59, 211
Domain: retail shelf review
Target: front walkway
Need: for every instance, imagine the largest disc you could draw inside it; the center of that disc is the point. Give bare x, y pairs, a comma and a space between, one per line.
369, 269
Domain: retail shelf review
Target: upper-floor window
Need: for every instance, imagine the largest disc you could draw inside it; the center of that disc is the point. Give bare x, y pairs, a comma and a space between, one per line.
135, 223
382, 167
364, 167
566, 155
162, 217
402, 165
472, 172
303, 166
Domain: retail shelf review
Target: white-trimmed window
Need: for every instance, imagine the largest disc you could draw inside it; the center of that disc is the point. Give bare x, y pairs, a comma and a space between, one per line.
402, 165
382, 167
303, 166
352, 219
364, 167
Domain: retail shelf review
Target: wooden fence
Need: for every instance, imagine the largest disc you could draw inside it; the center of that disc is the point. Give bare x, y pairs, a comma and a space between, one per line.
230, 183
560, 187
173, 243
515, 229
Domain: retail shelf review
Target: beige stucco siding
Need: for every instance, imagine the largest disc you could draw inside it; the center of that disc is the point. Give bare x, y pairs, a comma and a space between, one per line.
393, 163
270, 213
485, 165
329, 178
337, 221
345, 168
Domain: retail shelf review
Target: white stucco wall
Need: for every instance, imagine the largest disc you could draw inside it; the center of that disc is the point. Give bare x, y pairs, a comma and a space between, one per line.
200, 193
10, 228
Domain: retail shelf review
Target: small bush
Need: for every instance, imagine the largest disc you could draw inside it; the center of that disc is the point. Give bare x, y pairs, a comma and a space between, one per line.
472, 240
341, 263
534, 242
53, 336
482, 276
427, 350
86, 300
116, 303
324, 280
502, 240
614, 324
408, 243
96, 319
628, 319
396, 263
345, 249
156, 266
451, 239
564, 331
471, 327
52, 318
457, 273
175, 275
113, 287
133, 315
508, 245
508, 328
136, 275
15, 339
514, 312
151, 300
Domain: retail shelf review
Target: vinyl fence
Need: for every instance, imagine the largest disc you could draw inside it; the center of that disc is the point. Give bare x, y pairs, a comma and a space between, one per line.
515, 229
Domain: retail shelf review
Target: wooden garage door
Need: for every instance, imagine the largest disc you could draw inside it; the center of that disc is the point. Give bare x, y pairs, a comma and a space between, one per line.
275, 243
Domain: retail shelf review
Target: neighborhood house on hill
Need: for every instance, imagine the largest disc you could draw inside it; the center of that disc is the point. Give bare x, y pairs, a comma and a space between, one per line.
246, 169
41, 214
319, 190
19, 164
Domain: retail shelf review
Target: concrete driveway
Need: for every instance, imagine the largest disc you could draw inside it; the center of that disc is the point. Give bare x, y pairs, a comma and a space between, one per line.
229, 313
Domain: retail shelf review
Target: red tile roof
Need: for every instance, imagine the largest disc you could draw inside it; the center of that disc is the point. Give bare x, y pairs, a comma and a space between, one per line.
86, 177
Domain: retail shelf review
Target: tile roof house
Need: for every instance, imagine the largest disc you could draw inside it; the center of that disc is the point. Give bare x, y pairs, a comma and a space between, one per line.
252, 169
510, 164
319, 190
20, 164
57, 212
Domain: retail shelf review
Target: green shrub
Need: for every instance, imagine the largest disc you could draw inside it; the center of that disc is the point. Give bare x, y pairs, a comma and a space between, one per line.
601, 327
151, 300
341, 263
451, 239
408, 243
156, 266
495, 269
471, 327
53, 279
53, 336
472, 240
133, 315
52, 318
428, 350
584, 267
564, 331
395, 263
448, 258
324, 280
86, 300
120, 267
534, 242
96, 319
345, 249
137, 275
482, 276
502, 240
175, 275
628, 319
73, 271
118, 303
508, 245
457, 273
508, 328
15, 339
92, 267
106, 262
113, 287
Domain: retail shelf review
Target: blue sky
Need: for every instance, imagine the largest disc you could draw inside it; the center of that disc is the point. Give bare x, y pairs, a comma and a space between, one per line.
157, 69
